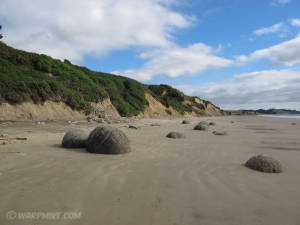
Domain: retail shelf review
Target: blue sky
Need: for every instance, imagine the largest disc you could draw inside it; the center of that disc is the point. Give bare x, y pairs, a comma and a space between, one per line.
235, 53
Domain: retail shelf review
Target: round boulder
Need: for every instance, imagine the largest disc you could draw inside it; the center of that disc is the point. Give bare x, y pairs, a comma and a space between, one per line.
211, 123
75, 138
200, 126
264, 164
204, 123
186, 122
175, 135
107, 140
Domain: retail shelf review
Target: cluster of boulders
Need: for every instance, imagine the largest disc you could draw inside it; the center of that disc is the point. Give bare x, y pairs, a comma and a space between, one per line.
109, 140
102, 140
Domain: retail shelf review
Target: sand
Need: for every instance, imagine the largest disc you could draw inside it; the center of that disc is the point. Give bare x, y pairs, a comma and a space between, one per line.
197, 180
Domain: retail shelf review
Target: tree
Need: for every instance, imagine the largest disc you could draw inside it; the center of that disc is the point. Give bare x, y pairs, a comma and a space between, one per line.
1, 34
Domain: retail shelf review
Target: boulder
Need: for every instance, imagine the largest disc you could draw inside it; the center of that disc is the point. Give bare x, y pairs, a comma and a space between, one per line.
264, 164
211, 123
200, 126
186, 122
108, 140
175, 135
75, 138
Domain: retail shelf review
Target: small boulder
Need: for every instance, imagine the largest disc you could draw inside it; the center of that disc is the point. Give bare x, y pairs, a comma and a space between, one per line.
175, 135
200, 126
264, 164
219, 132
211, 123
186, 122
155, 125
133, 127
293, 123
75, 138
204, 123
108, 140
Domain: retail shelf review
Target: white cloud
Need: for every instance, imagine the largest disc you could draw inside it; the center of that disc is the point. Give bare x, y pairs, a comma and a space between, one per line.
272, 29
295, 22
176, 61
270, 88
280, 2
73, 28
286, 53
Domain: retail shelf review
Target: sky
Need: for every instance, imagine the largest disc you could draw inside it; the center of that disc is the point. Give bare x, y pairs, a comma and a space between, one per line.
238, 54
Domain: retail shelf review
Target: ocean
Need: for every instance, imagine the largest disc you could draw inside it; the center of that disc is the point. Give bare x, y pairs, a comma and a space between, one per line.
292, 116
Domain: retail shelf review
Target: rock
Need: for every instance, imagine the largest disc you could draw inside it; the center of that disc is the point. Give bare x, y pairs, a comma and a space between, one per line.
75, 138
186, 122
133, 127
264, 164
211, 123
175, 135
203, 123
293, 123
232, 121
219, 132
200, 126
108, 140
155, 125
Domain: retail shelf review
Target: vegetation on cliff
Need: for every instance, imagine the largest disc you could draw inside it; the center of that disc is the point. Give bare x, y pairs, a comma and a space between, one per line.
35, 77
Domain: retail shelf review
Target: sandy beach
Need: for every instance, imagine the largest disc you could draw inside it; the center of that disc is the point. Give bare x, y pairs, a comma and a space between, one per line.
197, 180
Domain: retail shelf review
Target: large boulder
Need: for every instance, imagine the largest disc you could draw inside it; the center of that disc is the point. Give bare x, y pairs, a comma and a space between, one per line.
264, 164
108, 140
76, 138
175, 135
201, 126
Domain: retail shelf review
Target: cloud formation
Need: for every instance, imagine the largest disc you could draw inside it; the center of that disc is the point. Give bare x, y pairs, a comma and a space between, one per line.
295, 22
269, 88
280, 2
176, 61
286, 53
272, 29
72, 28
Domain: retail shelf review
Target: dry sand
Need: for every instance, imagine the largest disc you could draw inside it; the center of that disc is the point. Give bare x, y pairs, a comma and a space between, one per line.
196, 180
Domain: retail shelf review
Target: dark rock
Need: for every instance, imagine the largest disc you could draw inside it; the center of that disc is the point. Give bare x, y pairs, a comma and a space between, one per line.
200, 126
186, 122
211, 123
108, 140
155, 125
75, 138
133, 127
264, 164
175, 135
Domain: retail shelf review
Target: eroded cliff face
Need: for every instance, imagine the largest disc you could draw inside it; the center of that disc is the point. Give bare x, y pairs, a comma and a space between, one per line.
156, 109
47, 111
50, 110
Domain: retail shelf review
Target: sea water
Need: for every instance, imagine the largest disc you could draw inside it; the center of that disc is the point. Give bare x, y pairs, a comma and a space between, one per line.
293, 116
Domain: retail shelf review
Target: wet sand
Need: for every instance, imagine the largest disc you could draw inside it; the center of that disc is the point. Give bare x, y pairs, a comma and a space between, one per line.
197, 180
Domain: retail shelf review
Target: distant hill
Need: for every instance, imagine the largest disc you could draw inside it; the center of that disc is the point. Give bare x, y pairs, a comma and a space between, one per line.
38, 78
262, 111
277, 111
